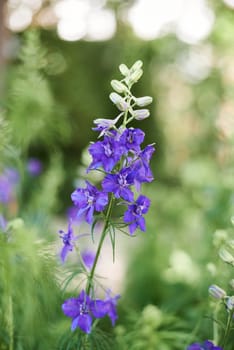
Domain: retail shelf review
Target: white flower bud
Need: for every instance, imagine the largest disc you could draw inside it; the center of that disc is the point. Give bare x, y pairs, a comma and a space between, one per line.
216, 292
124, 69
226, 256
143, 101
120, 103
135, 76
230, 303
141, 114
115, 98
137, 65
118, 86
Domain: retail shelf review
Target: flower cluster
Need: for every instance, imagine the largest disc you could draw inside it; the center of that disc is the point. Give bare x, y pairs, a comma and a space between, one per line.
125, 164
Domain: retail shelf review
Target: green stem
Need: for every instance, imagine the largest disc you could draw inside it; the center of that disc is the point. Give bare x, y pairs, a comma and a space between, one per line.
10, 323
228, 328
215, 324
103, 235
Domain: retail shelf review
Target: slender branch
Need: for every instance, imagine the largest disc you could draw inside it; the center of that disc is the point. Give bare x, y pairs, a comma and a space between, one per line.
103, 235
228, 328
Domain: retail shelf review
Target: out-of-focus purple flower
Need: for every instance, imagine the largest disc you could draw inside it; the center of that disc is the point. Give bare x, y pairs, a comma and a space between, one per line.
206, 345
120, 183
132, 139
88, 258
133, 216
79, 310
34, 166
68, 242
106, 153
110, 306
8, 182
3, 223
89, 199
12, 175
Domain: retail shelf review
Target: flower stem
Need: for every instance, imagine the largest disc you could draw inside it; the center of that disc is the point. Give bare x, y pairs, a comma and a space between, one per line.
228, 328
103, 235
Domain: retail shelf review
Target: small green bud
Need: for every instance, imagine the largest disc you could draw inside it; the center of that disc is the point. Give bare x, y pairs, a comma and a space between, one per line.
143, 101
118, 86
217, 292
141, 114
124, 69
137, 65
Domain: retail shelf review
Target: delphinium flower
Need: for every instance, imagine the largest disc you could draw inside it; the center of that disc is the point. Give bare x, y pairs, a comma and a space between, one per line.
125, 164
206, 345
88, 200
133, 216
68, 239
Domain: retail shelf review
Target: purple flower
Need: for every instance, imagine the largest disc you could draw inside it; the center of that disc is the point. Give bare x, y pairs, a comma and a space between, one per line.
3, 223
101, 308
89, 199
132, 138
68, 242
82, 309
141, 166
106, 153
206, 345
79, 310
8, 181
88, 258
119, 184
133, 216
34, 166
110, 307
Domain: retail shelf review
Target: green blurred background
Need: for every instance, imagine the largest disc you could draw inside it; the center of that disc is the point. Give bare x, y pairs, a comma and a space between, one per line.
57, 59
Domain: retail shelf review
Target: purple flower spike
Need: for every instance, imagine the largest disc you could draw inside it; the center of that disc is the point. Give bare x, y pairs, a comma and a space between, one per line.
68, 241
133, 216
34, 166
89, 199
206, 345
120, 184
79, 310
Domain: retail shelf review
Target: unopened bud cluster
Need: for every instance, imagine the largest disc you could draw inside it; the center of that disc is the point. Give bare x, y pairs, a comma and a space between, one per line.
129, 103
